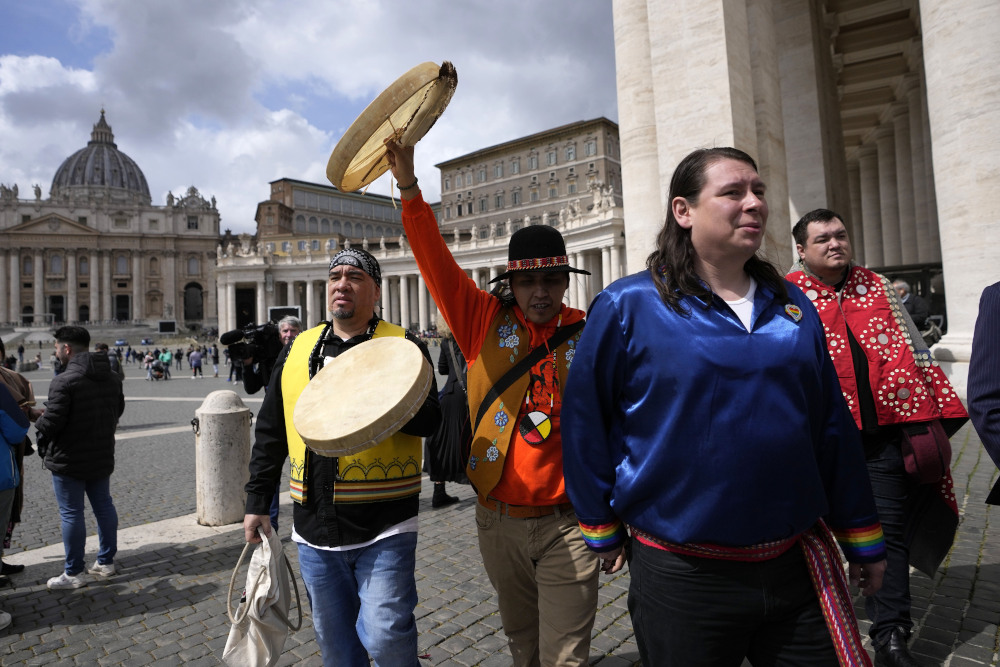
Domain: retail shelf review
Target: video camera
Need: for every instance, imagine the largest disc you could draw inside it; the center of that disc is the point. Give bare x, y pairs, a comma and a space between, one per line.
262, 343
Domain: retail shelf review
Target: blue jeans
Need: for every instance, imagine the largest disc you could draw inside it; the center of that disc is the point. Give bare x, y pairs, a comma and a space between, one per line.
362, 602
890, 607
69, 494
704, 612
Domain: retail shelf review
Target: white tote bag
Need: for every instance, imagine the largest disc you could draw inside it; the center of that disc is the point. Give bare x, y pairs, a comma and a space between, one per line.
260, 623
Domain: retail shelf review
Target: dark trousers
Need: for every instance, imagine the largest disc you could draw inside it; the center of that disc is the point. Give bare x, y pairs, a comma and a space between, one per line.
693, 612
890, 607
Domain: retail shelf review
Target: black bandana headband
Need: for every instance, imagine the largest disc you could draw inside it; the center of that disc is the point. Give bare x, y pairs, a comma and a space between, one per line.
361, 259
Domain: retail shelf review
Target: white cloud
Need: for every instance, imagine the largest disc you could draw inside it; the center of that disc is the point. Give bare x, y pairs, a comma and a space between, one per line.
229, 96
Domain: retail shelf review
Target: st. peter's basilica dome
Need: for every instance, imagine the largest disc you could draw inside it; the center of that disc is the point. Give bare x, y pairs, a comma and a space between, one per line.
100, 166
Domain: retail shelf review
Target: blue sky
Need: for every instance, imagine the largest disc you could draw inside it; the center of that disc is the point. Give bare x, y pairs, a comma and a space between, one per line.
227, 96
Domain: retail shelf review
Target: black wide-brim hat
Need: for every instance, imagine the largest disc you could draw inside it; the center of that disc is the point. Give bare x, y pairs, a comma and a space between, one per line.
537, 248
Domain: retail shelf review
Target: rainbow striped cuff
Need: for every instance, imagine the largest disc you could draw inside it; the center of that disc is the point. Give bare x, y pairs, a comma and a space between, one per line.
862, 545
604, 536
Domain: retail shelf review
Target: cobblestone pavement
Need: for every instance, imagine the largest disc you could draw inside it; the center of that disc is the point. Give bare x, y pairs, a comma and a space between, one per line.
167, 604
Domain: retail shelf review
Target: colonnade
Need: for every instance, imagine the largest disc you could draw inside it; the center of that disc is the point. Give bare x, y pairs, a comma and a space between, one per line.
405, 299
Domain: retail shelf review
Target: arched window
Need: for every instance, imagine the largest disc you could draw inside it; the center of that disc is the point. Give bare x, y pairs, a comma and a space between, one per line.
154, 266
337, 228
348, 229
27, 266
84, 270
194, 266
121, 265
313, 225
56, 265
369, 232
300, 223
324, 226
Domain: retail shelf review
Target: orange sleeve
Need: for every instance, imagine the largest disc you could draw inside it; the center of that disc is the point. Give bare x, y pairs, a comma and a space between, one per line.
467, 309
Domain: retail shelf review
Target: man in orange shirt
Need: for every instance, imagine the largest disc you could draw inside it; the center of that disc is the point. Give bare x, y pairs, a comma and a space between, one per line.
532, 548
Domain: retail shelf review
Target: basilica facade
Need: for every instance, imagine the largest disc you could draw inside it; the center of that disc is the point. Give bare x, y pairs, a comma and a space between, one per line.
98, 251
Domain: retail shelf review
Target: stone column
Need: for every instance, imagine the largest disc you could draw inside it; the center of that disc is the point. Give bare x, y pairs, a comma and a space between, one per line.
904, 185
616, 262
477, 277
138, 309
605, 267
72, 284
261, 295
106, 312
816, 167
870, 205
493, 272
888, 197
4, 289
93, 273
578, 260
231, 303
15, 285
933, 222
642, 173
38, 283
170, 295
311, 306
855, 225
573, 289
962, 68
290, 295
385, 300
918, 167
769, 126
222, 314
422, 306
404, 301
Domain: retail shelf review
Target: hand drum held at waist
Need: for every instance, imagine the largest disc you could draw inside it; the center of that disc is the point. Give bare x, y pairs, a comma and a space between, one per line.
363, 396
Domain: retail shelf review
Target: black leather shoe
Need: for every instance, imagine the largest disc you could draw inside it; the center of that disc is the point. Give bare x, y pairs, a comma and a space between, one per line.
895, 653
10, 568
440, 498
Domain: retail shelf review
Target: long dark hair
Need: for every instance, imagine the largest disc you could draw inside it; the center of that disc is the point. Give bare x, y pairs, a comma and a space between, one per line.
672, 263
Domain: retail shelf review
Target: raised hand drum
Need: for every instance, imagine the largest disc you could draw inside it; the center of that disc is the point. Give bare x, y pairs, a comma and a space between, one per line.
405, 110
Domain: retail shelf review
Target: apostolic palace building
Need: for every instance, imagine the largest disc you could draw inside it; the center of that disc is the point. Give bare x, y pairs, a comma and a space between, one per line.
98, 251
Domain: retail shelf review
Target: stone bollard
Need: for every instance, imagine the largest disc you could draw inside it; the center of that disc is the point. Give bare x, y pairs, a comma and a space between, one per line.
222, 458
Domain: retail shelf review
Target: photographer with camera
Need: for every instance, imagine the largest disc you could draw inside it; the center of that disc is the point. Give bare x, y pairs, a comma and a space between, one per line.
258, 375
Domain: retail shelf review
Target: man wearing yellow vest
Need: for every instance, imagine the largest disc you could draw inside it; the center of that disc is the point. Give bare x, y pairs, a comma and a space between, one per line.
520, 340
354, 517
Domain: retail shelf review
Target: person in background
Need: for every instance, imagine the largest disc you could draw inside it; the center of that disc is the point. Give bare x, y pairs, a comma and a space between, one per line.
702, 413
13, 430
194, 360
215, 360
915, 305
167, 359
448, 448
257, 375
984, 379
76, 440
113, 361
891, 384
23, 393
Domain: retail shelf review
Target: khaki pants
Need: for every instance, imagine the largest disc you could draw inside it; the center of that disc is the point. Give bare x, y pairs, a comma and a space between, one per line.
546, 582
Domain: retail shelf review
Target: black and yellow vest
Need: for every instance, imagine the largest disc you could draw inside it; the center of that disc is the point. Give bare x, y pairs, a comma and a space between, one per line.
388, 471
